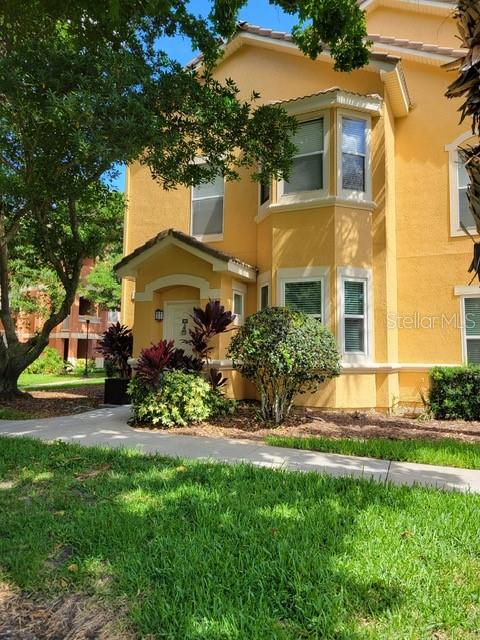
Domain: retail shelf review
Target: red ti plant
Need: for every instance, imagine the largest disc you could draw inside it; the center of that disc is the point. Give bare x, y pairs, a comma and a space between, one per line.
153, 361
163, 356
208, 323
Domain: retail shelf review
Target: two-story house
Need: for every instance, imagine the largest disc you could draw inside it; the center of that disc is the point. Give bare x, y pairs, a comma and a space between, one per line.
365, 235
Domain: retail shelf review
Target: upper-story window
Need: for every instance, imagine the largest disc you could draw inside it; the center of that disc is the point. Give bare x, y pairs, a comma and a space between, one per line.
264, 192
207, 208
465, 217
354, 157
308, 168
458, 177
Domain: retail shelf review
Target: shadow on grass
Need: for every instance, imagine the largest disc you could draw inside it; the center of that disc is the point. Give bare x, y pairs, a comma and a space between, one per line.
207, 551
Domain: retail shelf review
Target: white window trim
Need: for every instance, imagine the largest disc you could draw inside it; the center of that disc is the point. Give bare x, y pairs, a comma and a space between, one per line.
463, 293
208, 237
302, 274
317, 194
363, 275
240, 289
453, 160
264, 280
350, 194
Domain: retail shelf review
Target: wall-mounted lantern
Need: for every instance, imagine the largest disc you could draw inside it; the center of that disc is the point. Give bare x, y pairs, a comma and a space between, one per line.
158, 315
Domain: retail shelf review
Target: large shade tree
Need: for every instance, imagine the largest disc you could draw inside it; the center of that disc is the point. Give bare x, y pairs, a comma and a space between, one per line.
85, 85
467, 86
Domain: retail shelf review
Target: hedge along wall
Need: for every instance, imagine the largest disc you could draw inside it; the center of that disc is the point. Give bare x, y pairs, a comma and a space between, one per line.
455, 392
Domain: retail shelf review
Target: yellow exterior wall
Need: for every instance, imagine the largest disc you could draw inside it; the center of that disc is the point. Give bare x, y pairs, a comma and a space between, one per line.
411, 23
404, 239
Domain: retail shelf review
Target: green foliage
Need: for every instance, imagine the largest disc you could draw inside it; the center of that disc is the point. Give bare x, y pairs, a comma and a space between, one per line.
284, 353
49, 362
181, 399
101, 284
79, 368
454, 393
116, 346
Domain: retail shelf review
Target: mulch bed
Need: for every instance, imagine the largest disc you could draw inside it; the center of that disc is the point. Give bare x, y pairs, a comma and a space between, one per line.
335, 424
57, 402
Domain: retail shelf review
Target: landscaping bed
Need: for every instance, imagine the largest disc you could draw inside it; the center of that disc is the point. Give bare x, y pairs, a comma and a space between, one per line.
56, 401
244, 424
190, 550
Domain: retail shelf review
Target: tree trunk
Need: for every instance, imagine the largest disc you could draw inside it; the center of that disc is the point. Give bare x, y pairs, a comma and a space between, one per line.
9, 383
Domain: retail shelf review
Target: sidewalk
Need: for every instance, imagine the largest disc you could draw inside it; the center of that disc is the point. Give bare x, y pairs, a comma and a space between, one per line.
108, 427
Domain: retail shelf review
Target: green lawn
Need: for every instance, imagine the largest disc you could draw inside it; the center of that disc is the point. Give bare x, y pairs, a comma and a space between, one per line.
38, 381
450, 453
217, 552
9, 413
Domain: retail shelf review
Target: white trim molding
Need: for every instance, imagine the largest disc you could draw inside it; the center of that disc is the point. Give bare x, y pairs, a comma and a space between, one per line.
348, 194
296, 274
360, 275
177, 279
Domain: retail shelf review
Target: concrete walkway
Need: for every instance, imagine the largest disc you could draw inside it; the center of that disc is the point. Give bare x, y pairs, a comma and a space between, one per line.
108, 427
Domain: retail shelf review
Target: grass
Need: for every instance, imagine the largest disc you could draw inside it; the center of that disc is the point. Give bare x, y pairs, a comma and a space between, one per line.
39, 381
206, 551
446, 452
9, 413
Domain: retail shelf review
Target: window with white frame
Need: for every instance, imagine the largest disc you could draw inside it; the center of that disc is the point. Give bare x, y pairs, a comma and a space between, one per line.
304, 294
264, 296
307, 173
465, 217
472, 329
354, 316
207, 208
355, 319
459, 180
264, 192
354, 156
239, 306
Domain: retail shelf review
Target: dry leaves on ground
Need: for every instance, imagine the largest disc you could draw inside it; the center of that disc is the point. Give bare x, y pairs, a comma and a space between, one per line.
72, 617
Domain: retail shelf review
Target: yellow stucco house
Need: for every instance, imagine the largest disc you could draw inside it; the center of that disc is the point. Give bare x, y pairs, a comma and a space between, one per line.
365, 235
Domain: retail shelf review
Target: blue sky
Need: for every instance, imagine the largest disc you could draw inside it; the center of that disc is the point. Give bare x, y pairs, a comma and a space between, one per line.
258, 12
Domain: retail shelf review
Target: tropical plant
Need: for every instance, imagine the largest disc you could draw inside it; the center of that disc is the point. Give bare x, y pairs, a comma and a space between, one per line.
467, 86
182, 398
284, 353
116, 347
208, 323
155, 360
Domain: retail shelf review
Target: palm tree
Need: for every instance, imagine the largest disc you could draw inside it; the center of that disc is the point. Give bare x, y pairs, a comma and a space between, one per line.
467, 86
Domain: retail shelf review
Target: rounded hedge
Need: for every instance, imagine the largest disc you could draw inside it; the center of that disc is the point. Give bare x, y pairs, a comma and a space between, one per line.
284, 353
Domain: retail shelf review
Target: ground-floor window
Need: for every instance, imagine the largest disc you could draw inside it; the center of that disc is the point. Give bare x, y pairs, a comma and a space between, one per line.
472, 329
305, 295
353, 291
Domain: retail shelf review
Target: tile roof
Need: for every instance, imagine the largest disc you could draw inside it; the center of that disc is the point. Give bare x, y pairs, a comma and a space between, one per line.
413, 45
287, 37
187, 239
246, 27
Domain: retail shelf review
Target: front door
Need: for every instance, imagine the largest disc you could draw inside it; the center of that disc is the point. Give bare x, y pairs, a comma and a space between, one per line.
178, 321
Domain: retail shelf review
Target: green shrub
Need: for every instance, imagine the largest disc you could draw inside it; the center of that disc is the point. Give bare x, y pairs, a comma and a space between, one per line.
455, 393
79, 368
181, 399
283, 352
49, 361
